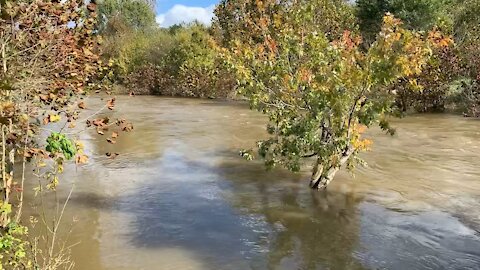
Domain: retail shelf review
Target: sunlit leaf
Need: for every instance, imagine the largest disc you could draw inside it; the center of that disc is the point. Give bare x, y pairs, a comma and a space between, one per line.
54, 118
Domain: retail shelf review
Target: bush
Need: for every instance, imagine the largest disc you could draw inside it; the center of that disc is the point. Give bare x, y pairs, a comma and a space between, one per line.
174, 62
431, 90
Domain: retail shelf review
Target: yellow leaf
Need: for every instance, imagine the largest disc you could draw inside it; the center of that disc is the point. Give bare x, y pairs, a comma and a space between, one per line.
54, 118
79, 145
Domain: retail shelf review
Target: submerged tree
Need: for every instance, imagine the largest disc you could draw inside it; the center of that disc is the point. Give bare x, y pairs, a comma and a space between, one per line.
320, 95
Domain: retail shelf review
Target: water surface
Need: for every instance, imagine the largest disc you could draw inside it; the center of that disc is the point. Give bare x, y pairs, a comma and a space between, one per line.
179, 197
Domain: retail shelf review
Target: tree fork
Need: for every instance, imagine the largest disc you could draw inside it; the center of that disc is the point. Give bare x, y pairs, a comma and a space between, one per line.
321, 178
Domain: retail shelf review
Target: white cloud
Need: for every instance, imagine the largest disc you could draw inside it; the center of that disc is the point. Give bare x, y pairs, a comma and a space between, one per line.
183, 14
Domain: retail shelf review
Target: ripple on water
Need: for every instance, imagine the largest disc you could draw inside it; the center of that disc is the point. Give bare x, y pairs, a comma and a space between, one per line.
428, 240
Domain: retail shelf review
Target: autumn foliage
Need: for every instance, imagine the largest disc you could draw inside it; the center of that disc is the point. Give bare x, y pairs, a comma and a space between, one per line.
49, 66
320, 92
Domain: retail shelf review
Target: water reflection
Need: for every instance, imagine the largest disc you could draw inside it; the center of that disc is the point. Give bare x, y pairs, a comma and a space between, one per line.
313, 230
235, 215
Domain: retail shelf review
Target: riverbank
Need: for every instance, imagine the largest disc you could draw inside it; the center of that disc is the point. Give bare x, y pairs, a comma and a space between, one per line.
119, 89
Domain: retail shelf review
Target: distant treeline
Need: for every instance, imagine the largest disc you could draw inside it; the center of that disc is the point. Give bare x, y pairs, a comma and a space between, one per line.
186, 60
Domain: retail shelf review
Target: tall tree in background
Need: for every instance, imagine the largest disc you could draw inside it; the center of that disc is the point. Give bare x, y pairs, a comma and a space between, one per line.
119, 15
416, 14
467, 37
235, 19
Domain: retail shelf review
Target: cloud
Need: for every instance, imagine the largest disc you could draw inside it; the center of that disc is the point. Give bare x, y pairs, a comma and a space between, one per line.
183, 14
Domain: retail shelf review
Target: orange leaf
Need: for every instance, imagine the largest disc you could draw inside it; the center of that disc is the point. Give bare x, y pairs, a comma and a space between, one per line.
111, 104
81, 159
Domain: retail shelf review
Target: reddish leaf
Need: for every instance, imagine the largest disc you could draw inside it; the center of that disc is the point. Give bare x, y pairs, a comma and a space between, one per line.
91, 7
82, 106
46, 120
111, 104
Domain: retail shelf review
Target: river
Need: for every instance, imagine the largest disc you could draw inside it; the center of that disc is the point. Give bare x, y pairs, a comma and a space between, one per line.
179, 197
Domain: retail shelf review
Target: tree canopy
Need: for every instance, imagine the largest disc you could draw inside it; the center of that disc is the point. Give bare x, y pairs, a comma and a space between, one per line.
248, 20
320, 93
416, 14
136, 14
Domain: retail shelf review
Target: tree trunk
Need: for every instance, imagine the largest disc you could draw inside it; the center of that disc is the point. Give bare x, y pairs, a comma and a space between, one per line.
323, 174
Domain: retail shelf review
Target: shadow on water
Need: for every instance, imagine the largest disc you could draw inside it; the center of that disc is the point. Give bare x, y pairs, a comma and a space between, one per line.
235, 215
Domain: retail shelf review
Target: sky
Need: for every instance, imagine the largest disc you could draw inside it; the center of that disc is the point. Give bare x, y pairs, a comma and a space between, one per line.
170, 12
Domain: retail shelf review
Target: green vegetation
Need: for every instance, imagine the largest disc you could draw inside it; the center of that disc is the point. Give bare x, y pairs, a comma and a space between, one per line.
185, 60
180, 61
450, 79
416, 14
49, 65
121, 14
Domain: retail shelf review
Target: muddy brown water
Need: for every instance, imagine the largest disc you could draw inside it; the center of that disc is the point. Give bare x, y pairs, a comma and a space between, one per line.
180, 197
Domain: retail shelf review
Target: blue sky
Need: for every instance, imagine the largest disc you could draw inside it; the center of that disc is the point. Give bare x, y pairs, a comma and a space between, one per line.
170, 12
164, 5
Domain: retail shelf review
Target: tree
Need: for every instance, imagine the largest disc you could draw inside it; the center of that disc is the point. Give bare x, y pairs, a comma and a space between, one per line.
118, 15
174, 62
49, 64
431, 90
237, 20
467, 37
197, 68
321, 95
416, 14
